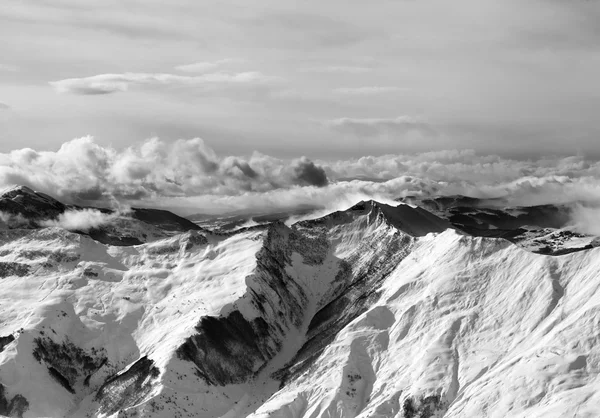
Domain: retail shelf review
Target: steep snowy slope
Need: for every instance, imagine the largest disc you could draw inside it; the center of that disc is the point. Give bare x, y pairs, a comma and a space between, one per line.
376, 311
81, 311
463, 327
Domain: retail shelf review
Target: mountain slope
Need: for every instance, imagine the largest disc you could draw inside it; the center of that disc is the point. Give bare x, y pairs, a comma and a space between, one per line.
464, 327
376, 311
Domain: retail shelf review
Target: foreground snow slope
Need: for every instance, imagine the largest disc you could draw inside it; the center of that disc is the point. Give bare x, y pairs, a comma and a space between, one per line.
464, 327
376, 311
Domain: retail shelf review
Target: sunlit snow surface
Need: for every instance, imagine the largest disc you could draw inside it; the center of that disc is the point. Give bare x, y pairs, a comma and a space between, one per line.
390, 320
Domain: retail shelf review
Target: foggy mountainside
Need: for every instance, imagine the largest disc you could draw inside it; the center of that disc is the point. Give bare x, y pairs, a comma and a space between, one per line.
447, 306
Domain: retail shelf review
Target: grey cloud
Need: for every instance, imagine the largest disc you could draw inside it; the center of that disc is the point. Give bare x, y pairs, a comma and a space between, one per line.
4, 106
307, 172
112, 83
245, 168
88, 195
377, 126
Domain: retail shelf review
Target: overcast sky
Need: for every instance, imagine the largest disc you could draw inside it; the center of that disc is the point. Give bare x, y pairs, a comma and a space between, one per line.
325, 79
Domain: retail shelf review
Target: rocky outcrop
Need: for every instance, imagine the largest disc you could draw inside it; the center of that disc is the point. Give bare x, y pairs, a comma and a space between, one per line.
8, 268
4, 341
68, 364
13, 407
230, 348
127, 388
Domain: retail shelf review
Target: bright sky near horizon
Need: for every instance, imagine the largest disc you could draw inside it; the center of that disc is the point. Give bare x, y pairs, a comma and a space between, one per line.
333, 79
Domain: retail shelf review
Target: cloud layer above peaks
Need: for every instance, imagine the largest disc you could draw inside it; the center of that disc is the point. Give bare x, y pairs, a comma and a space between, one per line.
188, 176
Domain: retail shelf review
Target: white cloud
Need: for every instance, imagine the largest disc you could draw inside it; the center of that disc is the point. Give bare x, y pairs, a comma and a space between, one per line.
81, 220
586, 219
200, 67
83, 171
112, 83
187, 175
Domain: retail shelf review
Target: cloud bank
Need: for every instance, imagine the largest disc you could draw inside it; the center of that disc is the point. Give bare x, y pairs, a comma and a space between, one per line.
189, 177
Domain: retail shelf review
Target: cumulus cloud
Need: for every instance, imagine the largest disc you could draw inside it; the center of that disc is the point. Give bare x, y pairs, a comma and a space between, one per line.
113, 83
81, 220
82, 171
365, 127
307, 172
190, 177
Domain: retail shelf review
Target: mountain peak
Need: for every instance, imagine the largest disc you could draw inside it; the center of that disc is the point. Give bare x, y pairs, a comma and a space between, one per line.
24, 201
411, 220
414, 221
17, 189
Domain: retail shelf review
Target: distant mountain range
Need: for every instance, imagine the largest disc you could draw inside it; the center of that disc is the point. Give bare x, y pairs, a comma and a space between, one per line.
33, 209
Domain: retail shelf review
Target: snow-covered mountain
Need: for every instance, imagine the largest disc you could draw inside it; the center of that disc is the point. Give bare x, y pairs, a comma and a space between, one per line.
374, 311
22, 207
544, 229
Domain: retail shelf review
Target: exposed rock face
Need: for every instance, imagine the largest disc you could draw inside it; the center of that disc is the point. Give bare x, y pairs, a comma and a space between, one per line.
15, 407
13, 269
68, 364
127, 388
231, 349
4, 341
